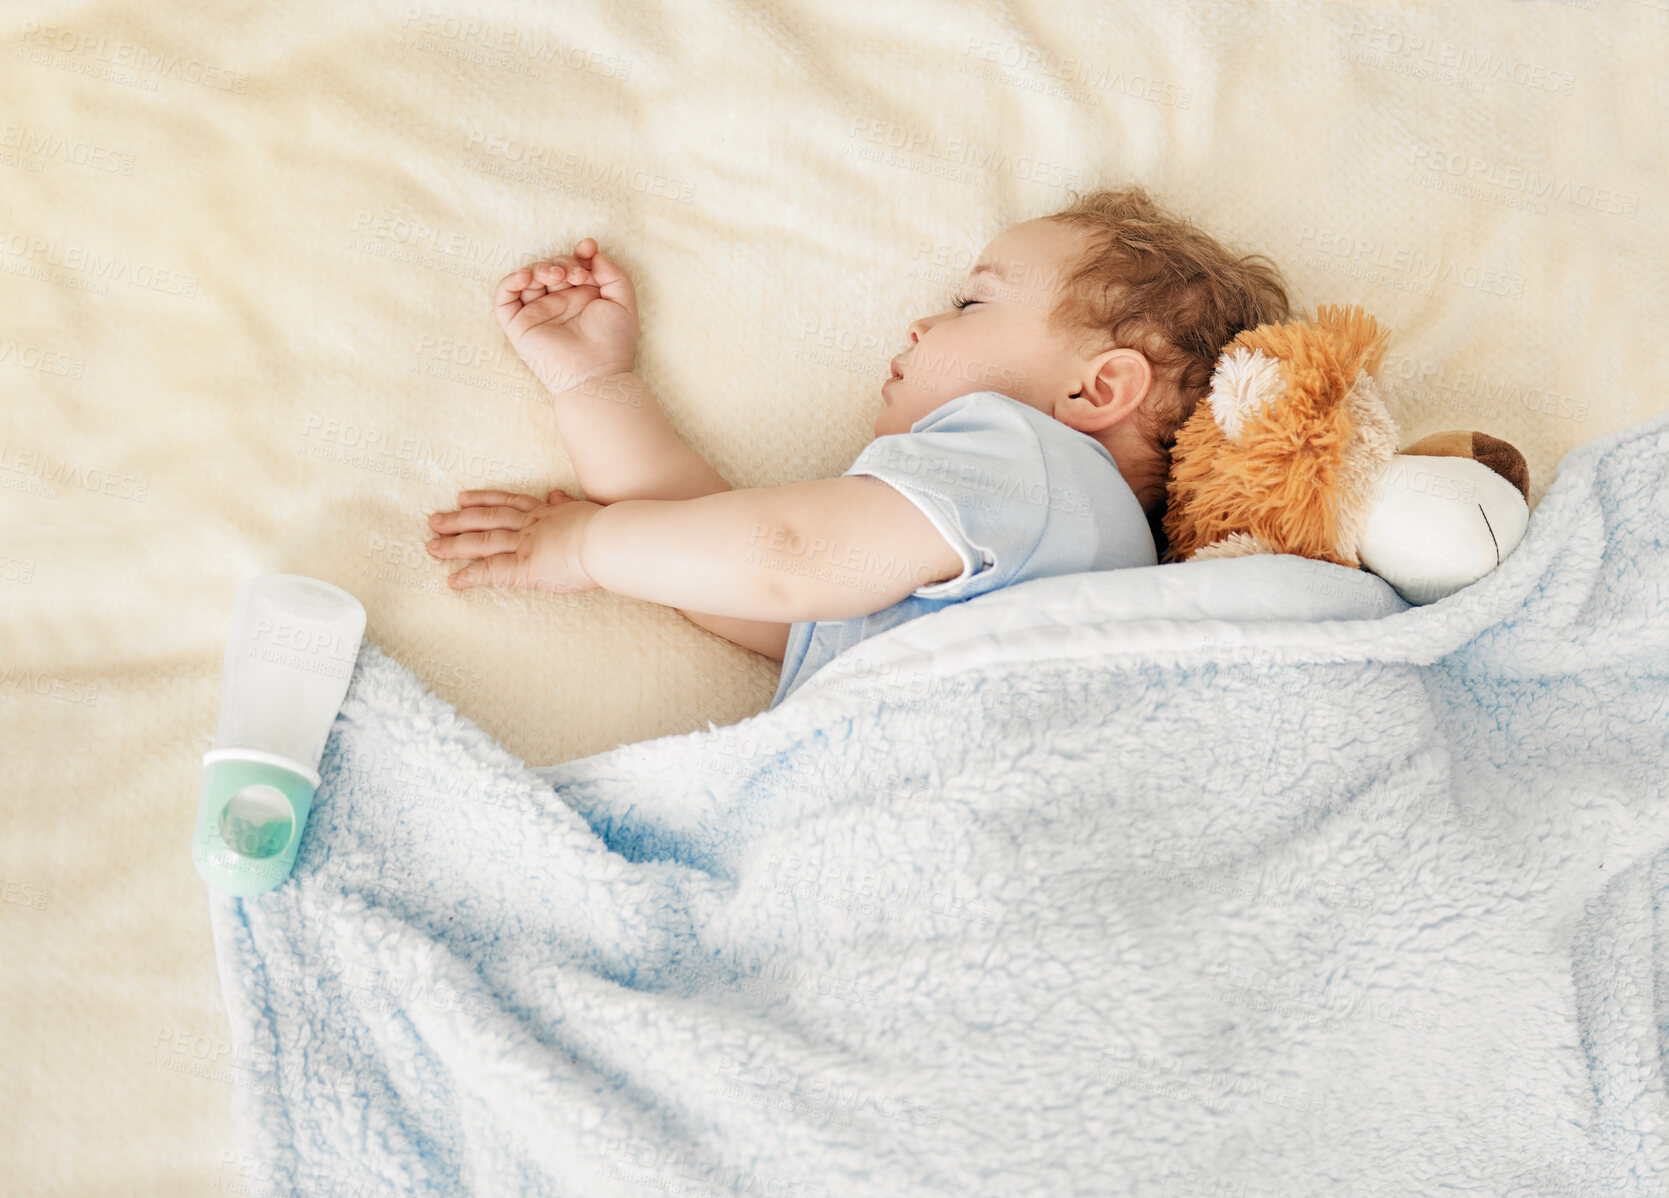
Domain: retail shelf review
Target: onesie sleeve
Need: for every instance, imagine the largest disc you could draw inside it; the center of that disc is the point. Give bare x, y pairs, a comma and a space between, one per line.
976, 468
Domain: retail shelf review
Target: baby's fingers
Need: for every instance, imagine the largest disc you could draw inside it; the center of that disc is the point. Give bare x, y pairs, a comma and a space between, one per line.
614, 283
508, 301
496, 571
515, 499
475, 544
561, 272
477, 519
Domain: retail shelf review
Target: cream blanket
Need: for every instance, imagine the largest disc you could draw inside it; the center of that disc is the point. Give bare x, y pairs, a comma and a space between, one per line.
245, 328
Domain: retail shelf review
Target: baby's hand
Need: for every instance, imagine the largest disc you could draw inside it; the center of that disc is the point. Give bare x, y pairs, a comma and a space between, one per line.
515, 540
571, 319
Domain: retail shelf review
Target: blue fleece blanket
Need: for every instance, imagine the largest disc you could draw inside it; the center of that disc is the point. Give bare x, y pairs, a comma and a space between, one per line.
1235, 877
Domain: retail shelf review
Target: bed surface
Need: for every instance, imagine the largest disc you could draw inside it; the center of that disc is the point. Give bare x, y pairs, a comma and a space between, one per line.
245, 328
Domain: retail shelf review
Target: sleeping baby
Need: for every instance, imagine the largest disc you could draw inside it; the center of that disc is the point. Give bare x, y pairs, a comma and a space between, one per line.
1024, 432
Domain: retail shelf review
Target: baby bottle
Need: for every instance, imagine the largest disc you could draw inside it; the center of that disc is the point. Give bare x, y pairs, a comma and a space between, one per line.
288, 662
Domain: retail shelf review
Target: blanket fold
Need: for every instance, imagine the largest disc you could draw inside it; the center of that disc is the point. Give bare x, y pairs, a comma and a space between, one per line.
1237, 873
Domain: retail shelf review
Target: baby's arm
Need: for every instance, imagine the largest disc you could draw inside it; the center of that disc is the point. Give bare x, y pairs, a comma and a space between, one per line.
630, 451
574, 321
831, 549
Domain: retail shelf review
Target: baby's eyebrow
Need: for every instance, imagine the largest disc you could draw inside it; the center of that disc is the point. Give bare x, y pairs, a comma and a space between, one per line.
983, 268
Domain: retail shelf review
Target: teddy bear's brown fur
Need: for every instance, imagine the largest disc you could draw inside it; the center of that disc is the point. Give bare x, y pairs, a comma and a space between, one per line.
1296, 477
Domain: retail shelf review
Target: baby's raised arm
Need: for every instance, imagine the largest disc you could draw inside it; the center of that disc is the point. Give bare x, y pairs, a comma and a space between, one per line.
574, 321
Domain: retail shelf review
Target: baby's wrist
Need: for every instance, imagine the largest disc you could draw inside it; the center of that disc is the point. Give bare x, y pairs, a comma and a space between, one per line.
600, 382
577, 548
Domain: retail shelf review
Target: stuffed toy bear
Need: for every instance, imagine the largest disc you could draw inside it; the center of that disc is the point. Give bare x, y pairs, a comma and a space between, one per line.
1294, 452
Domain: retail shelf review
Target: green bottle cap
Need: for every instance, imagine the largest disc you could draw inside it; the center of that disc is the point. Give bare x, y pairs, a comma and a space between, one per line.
250, 817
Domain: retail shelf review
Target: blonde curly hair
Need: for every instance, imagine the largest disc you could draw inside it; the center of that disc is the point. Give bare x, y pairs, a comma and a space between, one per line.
1158, 283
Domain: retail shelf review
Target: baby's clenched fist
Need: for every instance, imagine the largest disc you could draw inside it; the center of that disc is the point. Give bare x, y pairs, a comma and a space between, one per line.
572, 318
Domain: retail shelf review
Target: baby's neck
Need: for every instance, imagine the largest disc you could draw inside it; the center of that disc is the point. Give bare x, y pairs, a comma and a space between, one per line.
1139, 464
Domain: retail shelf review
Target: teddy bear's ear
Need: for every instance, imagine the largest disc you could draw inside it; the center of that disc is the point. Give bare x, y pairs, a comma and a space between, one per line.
1357, 340
1500, 456
1286, 447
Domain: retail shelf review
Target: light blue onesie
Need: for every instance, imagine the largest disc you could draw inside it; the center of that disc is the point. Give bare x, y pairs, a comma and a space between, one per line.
1017, 493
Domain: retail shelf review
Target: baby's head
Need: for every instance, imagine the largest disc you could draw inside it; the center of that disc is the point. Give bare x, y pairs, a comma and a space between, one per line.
1108, 315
